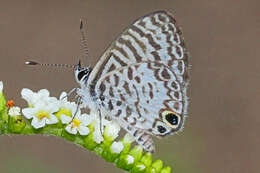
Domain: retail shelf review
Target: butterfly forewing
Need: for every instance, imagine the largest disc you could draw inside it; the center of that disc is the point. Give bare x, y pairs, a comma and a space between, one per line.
141, 80
154, 37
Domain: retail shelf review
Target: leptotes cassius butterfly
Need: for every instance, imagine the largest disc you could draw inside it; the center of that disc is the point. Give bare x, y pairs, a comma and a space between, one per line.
141, 80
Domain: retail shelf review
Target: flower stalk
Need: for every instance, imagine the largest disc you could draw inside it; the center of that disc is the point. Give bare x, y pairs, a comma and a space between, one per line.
52, 116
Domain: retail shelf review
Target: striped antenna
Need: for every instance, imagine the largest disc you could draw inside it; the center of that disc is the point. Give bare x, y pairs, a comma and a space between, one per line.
83, 39
51, 65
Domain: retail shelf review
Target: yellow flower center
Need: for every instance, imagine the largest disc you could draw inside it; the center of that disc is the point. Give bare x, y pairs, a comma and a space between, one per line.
64, 111
42, 114
75, 123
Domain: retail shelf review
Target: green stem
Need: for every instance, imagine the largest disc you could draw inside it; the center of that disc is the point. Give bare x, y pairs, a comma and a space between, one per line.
130, 159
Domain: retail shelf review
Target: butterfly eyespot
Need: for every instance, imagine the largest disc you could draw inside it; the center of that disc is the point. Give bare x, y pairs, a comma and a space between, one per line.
161, 129
171, 118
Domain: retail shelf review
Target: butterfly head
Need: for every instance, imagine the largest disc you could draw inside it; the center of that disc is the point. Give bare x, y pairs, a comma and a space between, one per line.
81, 74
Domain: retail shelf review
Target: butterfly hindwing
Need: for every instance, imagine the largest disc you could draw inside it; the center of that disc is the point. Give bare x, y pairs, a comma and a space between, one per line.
141, 95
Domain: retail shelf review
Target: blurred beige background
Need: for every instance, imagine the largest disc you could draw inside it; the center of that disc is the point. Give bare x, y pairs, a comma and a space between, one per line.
221, 132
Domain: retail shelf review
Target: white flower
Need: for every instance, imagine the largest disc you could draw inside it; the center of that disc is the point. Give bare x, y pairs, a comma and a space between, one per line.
41, 97
130, 159
117, 147
41, 114
78, 124
112, 129
1, 86
14, 111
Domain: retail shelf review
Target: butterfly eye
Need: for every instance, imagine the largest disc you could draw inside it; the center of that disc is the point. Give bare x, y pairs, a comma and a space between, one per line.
82, 74
171, 118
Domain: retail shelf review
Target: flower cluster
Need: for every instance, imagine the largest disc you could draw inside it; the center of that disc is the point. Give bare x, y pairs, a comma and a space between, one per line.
49, 115
45, 110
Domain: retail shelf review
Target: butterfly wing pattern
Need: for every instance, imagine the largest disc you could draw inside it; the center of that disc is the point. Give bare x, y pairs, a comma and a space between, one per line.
141, 80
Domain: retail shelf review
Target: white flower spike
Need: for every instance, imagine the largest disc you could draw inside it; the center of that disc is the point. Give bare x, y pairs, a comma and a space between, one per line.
14, 111
41, 114
78, 124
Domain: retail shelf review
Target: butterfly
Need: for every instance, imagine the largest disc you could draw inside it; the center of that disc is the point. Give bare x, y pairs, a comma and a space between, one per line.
141, 80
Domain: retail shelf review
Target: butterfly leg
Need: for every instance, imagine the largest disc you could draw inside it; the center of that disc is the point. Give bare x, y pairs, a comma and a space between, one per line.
143, 139
100, 121
77, 109
69, 93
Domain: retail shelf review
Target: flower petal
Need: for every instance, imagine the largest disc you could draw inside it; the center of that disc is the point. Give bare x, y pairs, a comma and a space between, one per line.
14, 111
85, 119
38, 124
51, 100
52, 120
27, 95
73, 107
71, 130
83, 130
65, 119
117, 147
63, 96
98, 138
112, 129
130, 159
128, 138
52, 107
29, 112
43, 93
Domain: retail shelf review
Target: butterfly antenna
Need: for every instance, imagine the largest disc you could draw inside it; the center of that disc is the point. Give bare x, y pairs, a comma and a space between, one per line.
50, 65
83, 38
